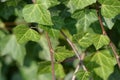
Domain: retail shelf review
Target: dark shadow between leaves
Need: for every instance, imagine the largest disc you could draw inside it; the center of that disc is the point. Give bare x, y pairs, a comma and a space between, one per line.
32, 52
115, 75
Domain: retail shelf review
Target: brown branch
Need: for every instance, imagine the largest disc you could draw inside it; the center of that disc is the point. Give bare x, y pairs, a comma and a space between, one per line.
104, 33
76, 52
51, 55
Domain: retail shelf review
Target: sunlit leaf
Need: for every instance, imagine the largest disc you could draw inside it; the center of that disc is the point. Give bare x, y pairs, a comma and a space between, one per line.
62, 54
102, 63
48, 3
96, 39
37, 13
82, 75
109, 22
79, 4
110, 8
100, 40
25, 34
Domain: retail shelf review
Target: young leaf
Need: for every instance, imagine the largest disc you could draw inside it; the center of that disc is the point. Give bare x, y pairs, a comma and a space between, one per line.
110, 8
62, 54
96, 39
82, 75
100, 40
79, 4
84, 19
102, 63
86, 40
24, 34
37, 13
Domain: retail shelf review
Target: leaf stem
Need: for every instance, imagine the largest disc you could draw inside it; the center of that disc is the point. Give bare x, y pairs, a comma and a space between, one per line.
51, 55
77, 54
104, 33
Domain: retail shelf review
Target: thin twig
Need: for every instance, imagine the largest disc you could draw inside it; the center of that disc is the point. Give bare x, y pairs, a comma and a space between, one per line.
77, 54
76, 70
104, 33
51, 55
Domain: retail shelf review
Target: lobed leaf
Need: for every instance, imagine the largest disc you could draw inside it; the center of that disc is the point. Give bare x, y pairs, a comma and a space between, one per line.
9, 46
110, 8
62, 54
24, 34
79, 4
102, 63
97, 40
84, 19
37, 13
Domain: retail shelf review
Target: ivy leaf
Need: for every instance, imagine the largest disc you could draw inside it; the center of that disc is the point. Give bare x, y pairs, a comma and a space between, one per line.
86, 40
58, 22
48, 3
110, 8
62, 54
109, 22
82, 75
96, 39
37, 13
24, 33
84, 19
79, 4
105, 63
55, 33
9, 46
25, 71
45, 67
100, 40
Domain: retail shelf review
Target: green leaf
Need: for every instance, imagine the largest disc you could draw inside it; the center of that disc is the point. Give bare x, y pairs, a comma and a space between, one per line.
62, 54
84, 19
9, 46
45, 67
48, 3
37, 13
86, 40
109, 22
100, 40
110, 8
58, 22
82, 75
105, 63
24, 34
79, 4
30, 71
55, 33
4, 10
43, 76
96, 39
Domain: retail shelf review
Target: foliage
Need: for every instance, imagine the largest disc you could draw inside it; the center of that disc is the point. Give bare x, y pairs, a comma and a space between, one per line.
24, 49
